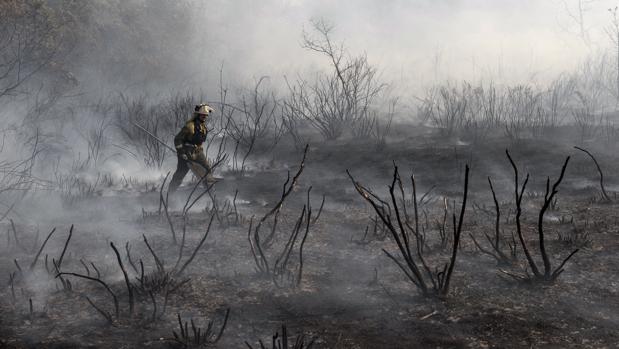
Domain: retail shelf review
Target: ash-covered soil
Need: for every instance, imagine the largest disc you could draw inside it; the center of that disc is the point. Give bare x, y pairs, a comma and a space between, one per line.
350, 295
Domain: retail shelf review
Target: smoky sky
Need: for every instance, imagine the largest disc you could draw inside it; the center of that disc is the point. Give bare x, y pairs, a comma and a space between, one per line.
413, 42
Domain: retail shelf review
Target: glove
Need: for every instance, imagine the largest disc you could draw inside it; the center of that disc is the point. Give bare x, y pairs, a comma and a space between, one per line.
185, 152
182, 153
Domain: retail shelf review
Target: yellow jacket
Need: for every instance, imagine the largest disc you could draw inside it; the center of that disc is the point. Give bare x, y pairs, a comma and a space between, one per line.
190, 134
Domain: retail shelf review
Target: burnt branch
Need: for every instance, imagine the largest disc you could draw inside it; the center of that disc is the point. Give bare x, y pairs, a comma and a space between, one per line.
457, 234
280, 341
199, 337
99, 281
161, 192
164, 202
597, 165
195, 251
518, 198
128, 252
497, 251
399, 234
255, 244
549, 275
104, 313
322, 204
36, 258
160, 266
414, 264
307, 226
64, 249
127, 283
15, 236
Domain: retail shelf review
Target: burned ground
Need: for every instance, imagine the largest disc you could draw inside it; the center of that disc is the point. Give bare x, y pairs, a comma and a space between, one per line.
351, 295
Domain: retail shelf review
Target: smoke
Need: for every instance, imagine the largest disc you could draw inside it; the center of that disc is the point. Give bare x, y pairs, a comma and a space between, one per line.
92, 170
155, 46
413, 42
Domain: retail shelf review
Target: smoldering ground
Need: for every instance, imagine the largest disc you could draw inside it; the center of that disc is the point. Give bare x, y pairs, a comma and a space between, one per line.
359, 289
285, 238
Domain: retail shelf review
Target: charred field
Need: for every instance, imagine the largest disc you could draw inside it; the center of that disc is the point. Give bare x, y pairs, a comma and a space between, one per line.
349, 293
417, 174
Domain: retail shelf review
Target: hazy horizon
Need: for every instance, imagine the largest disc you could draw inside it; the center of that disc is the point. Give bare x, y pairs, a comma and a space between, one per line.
411, 42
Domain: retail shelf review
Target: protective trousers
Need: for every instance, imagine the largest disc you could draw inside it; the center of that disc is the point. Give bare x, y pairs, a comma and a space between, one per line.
199, 165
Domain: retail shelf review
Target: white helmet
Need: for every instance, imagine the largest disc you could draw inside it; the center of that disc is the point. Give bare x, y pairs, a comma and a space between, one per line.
203, 109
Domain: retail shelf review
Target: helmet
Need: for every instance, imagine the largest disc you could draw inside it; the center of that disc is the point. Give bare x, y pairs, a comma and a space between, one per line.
203, 109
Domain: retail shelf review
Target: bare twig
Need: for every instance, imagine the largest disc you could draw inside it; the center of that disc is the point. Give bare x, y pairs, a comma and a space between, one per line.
99, 281
64, 249
195, 251
36, 258
604, 194
254, 239
127, 283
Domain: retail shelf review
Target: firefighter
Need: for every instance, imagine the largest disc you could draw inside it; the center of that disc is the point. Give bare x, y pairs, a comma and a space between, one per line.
190, 153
